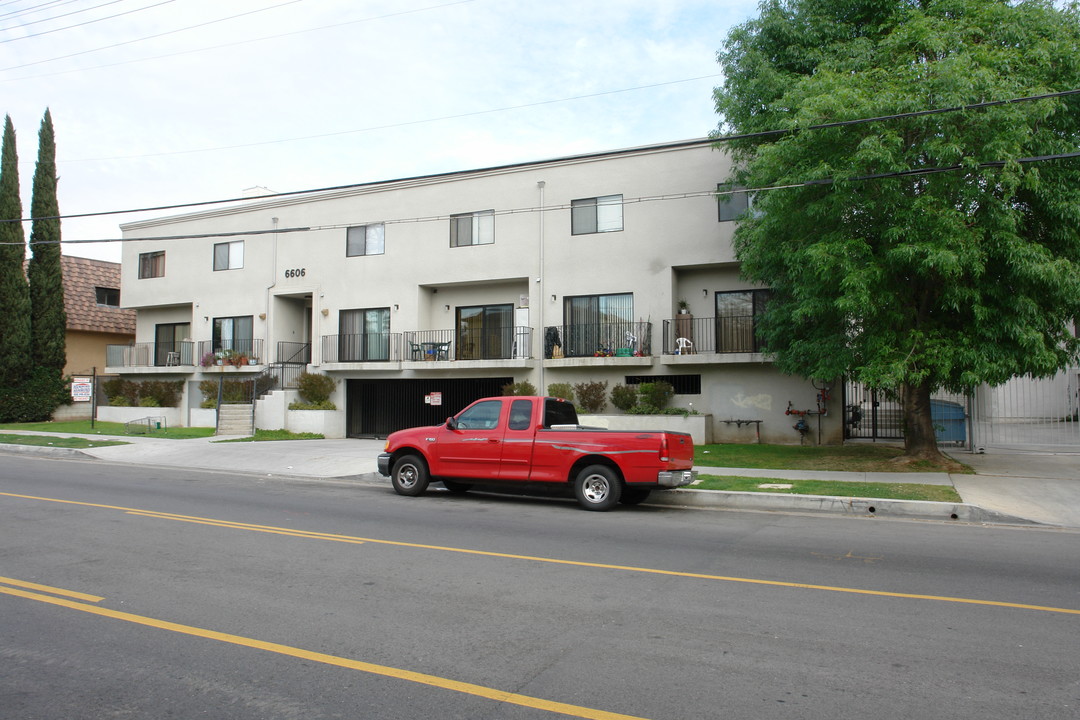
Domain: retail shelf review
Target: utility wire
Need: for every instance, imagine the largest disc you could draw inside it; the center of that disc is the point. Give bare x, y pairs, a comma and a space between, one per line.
82, 24
568, 206
38, 8
726, 138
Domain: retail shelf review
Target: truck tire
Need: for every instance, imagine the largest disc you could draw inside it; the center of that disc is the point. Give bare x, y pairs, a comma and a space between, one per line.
597, 487
409, 476
634, 496
456, 487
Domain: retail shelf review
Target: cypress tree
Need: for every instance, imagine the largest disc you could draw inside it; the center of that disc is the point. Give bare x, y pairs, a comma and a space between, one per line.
47, 318
14, 293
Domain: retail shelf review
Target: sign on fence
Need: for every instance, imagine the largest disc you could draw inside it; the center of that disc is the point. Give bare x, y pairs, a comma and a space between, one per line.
82, 389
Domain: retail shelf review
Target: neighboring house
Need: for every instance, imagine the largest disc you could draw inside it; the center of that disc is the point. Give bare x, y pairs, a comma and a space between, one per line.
94, 316
422, 294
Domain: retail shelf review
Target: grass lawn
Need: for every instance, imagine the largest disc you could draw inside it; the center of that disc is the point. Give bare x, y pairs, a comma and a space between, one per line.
852, 458
275, 435
53, 441
106, 428
888, 491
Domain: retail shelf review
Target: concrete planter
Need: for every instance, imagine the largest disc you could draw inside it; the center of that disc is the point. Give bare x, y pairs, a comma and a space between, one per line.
108, 413
331, 423
698, 426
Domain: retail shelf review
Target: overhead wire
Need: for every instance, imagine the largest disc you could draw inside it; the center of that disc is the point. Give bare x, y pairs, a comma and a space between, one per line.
82, 24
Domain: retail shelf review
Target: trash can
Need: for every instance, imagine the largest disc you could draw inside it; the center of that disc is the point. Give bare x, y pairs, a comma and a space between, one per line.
949, 421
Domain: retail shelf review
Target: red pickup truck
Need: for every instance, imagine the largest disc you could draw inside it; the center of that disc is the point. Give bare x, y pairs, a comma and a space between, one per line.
516, 441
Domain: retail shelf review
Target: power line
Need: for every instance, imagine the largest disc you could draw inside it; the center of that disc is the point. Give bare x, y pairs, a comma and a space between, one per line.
568, 206
204, 203
149, 37
30, 11
82, 24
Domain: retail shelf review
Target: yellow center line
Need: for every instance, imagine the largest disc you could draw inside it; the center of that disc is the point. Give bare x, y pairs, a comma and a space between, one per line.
348, 663
574, 563
49, 589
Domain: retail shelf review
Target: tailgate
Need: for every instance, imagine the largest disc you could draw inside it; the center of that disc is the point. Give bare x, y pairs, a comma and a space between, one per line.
680, 450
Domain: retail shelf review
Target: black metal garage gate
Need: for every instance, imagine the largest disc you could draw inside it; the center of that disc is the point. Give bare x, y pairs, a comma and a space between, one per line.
376, 408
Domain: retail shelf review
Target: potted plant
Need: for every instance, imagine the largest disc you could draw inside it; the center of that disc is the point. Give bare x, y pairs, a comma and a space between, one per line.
208, 359
684, 307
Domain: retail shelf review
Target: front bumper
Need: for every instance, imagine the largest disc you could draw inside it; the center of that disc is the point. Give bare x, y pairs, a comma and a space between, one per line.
675, 478
384, 464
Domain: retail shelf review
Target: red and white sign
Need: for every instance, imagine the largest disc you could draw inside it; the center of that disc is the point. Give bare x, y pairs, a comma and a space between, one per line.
434, 398
81, 389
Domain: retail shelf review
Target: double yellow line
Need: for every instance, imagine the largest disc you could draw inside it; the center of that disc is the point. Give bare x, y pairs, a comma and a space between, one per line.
62, 598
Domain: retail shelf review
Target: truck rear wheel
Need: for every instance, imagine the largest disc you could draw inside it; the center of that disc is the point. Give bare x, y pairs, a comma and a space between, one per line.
597, 487
409, 476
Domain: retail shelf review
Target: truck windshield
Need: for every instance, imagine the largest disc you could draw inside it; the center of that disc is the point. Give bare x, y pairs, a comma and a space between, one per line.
559, 413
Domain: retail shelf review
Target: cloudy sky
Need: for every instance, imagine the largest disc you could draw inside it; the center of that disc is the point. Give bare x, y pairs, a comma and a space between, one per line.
157, 102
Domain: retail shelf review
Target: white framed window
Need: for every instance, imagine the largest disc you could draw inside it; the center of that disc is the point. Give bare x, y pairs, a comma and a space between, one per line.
476, 228
152, 264
229, 255
596, 215
365, 240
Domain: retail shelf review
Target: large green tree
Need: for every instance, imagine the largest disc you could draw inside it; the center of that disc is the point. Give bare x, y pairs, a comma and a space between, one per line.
48, 322
14, 292
932, 252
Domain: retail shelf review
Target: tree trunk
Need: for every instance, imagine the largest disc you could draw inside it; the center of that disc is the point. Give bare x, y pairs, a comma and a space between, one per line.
919, 440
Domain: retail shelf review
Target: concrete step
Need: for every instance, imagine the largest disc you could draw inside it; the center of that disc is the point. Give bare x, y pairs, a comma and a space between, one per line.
234, 420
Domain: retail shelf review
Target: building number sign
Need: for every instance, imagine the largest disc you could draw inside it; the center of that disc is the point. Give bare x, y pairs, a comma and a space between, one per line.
296, 273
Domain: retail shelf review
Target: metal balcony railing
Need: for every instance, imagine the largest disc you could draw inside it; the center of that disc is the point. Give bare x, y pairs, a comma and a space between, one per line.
243, 351
293, 353
618, 339
362, 347
148, 354
684, 335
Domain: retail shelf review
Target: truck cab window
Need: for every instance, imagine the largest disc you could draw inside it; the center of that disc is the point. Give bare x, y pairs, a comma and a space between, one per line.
559, 413
481, 416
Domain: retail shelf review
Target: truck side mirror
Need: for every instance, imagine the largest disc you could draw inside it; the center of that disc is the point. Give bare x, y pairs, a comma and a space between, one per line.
451, 422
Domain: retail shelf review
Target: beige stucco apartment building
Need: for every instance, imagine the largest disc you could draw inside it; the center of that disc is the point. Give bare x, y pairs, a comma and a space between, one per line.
421, 294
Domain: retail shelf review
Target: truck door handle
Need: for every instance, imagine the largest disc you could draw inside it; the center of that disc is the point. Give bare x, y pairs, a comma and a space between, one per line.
494, 440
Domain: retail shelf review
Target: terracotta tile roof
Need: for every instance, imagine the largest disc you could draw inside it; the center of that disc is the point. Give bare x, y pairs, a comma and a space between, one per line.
81, 278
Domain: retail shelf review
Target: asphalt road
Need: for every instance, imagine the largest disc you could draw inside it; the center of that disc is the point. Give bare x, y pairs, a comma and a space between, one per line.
154, 593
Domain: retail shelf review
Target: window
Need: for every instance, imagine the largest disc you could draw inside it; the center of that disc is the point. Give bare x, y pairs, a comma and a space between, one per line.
109, 297
152, 264
737, 314
596, 215
481, 416
734, 203
365, 240
172, 344
476, 228
234, 333
598, 323
485, 332
520, 414
364, 335
229, 255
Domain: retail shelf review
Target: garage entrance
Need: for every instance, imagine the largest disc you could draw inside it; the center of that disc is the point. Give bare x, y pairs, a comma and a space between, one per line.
376, 408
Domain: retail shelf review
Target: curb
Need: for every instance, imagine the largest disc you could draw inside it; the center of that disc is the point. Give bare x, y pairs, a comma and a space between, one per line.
835, 505
44, 451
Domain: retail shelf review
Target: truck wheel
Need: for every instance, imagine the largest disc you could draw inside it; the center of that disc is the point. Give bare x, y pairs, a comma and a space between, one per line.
597, 488
634, 496
456, 487
409, 476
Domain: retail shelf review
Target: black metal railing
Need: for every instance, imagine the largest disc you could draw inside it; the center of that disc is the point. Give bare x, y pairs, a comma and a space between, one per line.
362, 347
433, 345
610, 339
293, 353
245, 351
685, 335
150, 354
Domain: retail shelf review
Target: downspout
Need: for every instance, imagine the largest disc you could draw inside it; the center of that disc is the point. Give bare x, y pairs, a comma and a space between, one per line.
271, 286
540, 293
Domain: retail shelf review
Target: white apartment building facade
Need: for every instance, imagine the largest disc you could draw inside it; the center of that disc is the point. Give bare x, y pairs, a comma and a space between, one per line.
450, 286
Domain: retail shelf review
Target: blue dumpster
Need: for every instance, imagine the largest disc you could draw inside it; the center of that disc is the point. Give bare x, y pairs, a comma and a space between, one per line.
949, 421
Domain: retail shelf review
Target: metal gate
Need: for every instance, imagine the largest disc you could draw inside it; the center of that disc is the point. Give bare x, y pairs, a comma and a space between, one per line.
376, 408
1022, 414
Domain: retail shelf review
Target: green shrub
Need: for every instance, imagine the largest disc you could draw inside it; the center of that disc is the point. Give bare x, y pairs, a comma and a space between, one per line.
121, 392
656, 395
35, 398
592, 396
149, 402
519, 388
236, 390
324, 405
118, 401
561, 390
624, 397
315, 388
164, 393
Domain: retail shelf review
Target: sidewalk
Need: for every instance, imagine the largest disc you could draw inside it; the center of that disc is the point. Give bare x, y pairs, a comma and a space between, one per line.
1009, 487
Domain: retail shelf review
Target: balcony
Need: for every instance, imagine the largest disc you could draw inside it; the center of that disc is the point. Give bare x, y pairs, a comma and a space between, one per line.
361, 348
243, 352
628, 343
180, 355
483, 345
733, 336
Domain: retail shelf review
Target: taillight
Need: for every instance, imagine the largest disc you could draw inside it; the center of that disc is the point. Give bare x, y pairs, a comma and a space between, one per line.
663, 448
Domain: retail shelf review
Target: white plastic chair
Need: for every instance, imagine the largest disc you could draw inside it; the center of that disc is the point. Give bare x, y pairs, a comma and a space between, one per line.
683, 346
